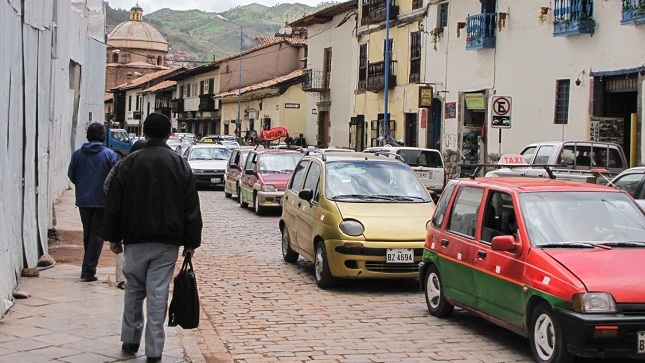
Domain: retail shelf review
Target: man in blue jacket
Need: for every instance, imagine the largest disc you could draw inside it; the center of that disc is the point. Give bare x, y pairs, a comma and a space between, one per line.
152, 209
87, 170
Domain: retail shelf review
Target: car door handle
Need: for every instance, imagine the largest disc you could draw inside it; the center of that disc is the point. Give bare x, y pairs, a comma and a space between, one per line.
481, 254
444, 242
299, 204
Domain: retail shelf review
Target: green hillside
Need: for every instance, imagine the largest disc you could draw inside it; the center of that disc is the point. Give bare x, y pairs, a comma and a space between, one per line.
202, 36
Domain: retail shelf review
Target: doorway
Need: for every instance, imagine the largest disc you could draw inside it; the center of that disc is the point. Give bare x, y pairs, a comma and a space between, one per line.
323, 129
411, 127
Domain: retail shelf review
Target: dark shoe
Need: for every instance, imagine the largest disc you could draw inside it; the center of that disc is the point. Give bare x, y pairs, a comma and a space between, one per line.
153, 359
88, 278
121, 285
130, 347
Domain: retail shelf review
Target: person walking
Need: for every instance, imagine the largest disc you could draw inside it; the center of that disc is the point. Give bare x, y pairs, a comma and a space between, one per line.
88, 168
152, 209
119, 279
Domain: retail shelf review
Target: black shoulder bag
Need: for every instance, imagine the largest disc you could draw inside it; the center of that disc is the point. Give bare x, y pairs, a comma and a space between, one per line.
184, 306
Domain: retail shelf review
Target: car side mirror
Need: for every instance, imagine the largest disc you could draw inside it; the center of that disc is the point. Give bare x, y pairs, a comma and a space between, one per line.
233, 165
249, 171
505, 243
306, 194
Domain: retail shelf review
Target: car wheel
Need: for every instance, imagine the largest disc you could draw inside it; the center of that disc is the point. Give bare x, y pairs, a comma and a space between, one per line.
259, 210
243, 204
237, 188
435, 298
322, 274
227, 194
545, 335
288, 254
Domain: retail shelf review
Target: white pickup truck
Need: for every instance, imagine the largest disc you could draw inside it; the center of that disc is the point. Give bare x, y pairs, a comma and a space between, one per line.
583, 161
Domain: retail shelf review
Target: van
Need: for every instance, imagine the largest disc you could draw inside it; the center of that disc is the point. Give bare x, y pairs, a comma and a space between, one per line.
427, 163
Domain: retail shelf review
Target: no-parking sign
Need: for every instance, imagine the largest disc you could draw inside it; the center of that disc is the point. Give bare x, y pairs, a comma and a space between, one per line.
501, 112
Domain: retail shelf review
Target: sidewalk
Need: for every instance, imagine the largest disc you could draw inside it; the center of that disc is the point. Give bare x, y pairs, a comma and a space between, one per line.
67, 320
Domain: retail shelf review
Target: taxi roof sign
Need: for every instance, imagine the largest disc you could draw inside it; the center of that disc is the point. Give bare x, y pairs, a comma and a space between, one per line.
512, 159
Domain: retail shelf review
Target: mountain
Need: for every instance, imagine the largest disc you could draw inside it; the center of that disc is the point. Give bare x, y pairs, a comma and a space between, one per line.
201, 36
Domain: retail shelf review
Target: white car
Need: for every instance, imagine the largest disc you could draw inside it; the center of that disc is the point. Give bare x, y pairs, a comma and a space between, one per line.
633, 182
208, 162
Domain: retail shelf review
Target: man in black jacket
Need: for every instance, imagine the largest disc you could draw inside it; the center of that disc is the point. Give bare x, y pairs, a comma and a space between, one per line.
152, 209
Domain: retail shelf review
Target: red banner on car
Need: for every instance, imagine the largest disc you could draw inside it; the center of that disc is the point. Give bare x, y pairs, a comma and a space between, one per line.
273, 133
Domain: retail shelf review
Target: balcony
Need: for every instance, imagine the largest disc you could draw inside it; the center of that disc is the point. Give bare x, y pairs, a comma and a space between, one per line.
177, 105
633, 12
376, 76
480, 31
314, 81
136, 115
206, 103
573, 17
374, 11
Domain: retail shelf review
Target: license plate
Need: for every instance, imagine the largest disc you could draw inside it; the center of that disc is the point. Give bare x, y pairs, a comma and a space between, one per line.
640, 343
425, 174
216, 180
399, 255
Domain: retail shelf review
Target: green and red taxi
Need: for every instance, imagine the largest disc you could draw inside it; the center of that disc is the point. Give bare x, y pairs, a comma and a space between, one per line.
559, 262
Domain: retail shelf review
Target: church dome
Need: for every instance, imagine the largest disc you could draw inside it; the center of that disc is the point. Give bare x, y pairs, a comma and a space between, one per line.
136, 33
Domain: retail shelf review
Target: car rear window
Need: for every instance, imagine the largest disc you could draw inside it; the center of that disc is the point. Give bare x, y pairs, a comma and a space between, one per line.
425, 158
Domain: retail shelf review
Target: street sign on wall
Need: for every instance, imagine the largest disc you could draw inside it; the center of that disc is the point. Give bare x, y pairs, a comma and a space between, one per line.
500, 112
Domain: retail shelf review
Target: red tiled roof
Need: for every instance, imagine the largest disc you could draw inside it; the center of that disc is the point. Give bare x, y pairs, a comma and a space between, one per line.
271, 40
146, 78
261, 46
108, 97
261, 85
160, 86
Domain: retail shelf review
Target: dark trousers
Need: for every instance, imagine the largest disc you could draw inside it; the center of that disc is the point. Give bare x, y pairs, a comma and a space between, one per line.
92, 219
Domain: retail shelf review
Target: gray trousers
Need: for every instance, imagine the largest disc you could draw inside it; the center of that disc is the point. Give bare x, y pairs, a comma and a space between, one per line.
148, 269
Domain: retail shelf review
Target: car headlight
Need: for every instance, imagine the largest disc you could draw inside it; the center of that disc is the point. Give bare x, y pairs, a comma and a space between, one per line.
352, 227
594, 302
268, 188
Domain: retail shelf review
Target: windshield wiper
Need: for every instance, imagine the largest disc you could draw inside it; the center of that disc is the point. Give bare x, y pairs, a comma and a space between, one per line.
568, 245
625, 244
351, 196
398, 198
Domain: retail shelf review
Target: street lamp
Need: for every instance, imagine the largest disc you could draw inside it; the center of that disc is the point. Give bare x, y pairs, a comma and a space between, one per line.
238, 124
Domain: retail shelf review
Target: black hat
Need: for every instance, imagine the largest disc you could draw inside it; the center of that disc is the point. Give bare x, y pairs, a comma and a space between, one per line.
156, 126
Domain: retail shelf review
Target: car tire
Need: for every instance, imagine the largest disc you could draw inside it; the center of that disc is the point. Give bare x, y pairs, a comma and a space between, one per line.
243, 204
227, 194
237, 188
546, 338
259, 210
435, 298
288, 254
322, 274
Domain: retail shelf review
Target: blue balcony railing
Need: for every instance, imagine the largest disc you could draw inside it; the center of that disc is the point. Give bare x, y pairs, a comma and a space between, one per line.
480, 31
573, 17
633, 12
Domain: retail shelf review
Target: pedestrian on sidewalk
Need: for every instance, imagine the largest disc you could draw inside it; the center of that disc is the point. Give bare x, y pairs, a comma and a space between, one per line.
118, 252
88, 168
152, 209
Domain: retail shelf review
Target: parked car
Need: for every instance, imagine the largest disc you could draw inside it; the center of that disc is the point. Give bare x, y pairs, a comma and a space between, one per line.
355, 215
208, 163
180, 148
218, 139
186, 137
556, 261
233, 172
633, 182
427, 163
266, 172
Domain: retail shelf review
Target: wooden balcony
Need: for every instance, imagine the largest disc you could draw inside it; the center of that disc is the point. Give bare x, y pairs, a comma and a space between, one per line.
374, 11
376, 76
206, 103
177, 105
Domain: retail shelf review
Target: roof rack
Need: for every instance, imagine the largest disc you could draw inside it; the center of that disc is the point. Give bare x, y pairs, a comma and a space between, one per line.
315, 151
386, 153
479, 167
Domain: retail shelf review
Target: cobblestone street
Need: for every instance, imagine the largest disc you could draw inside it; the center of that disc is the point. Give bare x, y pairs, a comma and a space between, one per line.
264, 309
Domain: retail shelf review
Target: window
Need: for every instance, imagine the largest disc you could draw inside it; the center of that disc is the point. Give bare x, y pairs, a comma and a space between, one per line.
188, 90
313, 179
417, 4
562, 102
499, 216
137, 105
415, 57
442, 207
201, 87
115, 58
298, 174
181, 92
630, 184
362, 66
443, 15
129, 103
463, 219
210, 87
543, 154
327, 68
390, 43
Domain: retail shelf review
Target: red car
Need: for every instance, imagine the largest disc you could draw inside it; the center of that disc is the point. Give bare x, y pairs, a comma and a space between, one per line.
233, 172
265, 176
559, 262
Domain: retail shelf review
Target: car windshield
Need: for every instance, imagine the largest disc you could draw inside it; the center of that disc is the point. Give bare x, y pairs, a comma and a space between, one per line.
565, 219
120, 135
425, 158
373, 181
278, 163
209, 153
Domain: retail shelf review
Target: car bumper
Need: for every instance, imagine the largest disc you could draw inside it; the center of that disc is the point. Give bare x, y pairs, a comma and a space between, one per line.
270, 199
209, 179
366, 259
601, 335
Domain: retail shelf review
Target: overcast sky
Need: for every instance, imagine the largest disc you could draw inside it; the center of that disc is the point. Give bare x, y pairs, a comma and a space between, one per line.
205, 5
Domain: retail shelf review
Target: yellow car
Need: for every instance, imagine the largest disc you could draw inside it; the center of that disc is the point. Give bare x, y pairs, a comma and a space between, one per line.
355, 215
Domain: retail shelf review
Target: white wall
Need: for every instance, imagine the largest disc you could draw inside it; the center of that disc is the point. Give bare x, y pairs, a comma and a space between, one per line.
46, 125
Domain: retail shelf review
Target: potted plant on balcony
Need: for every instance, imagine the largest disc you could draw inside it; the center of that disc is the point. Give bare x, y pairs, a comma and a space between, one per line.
435, 36
501, 21
544, 10
460, 25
